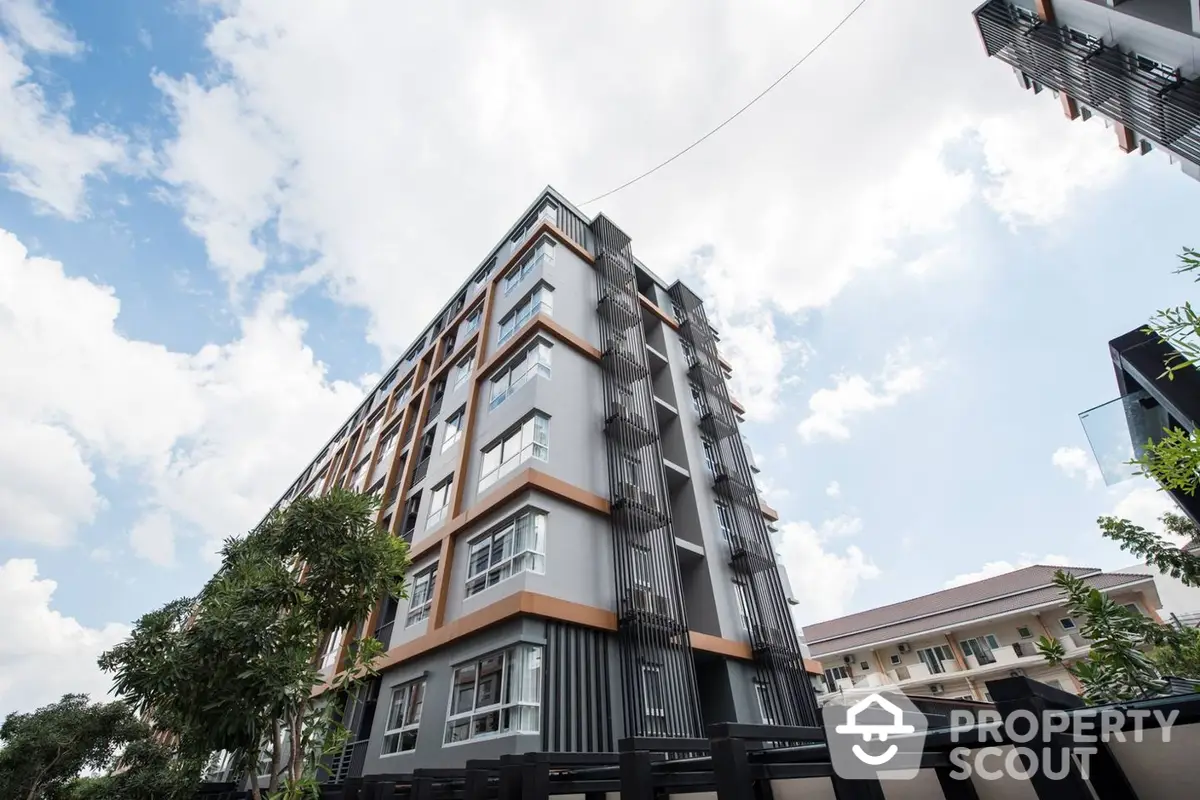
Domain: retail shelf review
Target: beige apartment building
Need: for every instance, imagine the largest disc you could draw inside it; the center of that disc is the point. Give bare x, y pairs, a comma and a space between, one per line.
950, 643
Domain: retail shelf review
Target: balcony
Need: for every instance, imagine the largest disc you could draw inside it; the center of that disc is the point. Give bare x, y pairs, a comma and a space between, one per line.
1116, 431
1163, 106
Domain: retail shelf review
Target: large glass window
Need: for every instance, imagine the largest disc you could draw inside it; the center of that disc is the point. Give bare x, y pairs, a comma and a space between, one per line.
421, 595
388, 444
404, 718
333, 648
359, 476
653, 698
496, 695
542, 255
710, 456
454, 428
518, 545
744, 605
531, 440
533, 363
439, 503
462, 370
471, 323
763, 692
725, 520
539, 301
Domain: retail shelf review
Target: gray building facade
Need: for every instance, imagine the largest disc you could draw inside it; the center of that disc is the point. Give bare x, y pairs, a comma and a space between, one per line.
1133, 63
591, 559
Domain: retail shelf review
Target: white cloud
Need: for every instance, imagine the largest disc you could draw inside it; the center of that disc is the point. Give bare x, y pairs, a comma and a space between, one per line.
324, 136
824, 578
1076, 462
214, 436
33, 24
1142, 503
834, 489
44, 654
47, 159
830, 410
153, 538
993, 568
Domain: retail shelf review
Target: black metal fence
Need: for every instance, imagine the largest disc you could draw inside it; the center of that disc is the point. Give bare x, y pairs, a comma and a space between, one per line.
764, 762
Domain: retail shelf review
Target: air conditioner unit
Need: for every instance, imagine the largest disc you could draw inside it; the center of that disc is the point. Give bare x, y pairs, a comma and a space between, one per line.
644, 599
848, 659
637, 496
936, 688
904, 648
1017, 673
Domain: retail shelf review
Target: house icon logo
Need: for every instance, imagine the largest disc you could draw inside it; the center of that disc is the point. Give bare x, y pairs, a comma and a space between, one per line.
862, 736
868, 730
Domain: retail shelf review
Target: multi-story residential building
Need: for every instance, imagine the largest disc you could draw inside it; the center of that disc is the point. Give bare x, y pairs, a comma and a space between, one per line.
951, 642
1134, 64
590, 556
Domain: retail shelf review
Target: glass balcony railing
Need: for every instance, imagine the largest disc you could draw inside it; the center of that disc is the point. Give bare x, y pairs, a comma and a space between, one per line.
1117, 431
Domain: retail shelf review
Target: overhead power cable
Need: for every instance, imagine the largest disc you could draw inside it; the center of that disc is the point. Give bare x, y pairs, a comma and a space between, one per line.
740, 111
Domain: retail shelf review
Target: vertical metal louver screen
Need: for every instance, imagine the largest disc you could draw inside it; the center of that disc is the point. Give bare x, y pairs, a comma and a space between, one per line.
778, 659
658, 676
577, 704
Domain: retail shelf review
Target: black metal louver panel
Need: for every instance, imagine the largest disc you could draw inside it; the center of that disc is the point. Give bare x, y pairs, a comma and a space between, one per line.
773, 637
1162, 107
576, 702
657, 671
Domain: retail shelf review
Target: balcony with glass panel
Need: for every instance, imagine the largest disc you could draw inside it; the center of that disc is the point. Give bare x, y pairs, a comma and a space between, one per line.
1118, 430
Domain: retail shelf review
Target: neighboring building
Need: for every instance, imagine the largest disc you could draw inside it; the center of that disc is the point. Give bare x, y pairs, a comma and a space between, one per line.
1134, 64
591, 559
949, 643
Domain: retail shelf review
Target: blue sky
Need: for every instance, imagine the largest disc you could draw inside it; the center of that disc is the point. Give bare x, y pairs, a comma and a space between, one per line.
209, 208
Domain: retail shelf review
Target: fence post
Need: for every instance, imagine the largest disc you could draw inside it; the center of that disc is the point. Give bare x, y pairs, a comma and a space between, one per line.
476, 784
1024, 696
535, 780
845, 789
637, 775
510, 779
731, 769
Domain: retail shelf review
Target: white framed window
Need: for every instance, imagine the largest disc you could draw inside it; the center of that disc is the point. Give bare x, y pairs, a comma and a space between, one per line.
404, 718
421, 595
530, 440
534, 362
725, 521
462, 370
689, 352
219, 767
1024, 632
1067, 624
517, 545
404, 393
439, 503
762, 691
369, 431
932, 657
835, 674
497, 695
697, 400
333, 648
359, 476
896, 660
631, 470
677, 310
643, 566
1132, 608
471, 323
653, 699
710, 456
454, 428
388, 443
541, 256
744, 604
539, 301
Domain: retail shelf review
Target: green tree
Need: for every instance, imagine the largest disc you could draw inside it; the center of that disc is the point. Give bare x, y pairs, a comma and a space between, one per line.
147, 770
1174, 460
1182, 660
43, 751
233, 668
1117, 666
